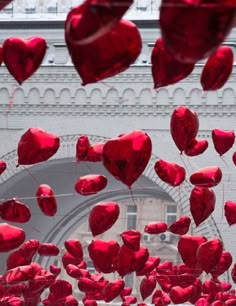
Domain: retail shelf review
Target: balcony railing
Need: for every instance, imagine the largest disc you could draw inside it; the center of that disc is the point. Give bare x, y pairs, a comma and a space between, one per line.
38, 9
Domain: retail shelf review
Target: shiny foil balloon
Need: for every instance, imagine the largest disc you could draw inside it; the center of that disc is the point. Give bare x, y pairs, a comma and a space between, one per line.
188, 246
230, 212
202, 203
74, 247
15, 211
48, 249
11, 237
127, 156
23, 57
193, 30
217, 69
122, 44
181, 226
156, 227
4, 3
104, 255
171, 173
90, 184
147, 286
209, 253
82, 147
46, 200
206, 177
131, 238
183, 127
223, 264
23, 255
93, 18
36, 145
223, 140
112, 290
3, 166
102, 217
166, 70
197, 147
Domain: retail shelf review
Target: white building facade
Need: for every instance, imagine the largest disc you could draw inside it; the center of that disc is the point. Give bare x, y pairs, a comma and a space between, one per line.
54, 100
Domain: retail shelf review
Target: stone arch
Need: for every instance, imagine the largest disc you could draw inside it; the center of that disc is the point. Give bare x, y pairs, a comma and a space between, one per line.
49, 96
128, 96
162, 96
228, 96
80, 97
4, 96
212, 97
179, 96
34, 96
18, 96
65, 96
65, 155
195, 96
112, 96
145, 96
96, 96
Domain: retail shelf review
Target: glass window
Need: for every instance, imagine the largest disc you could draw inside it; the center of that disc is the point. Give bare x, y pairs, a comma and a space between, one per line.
171, 214
131, 216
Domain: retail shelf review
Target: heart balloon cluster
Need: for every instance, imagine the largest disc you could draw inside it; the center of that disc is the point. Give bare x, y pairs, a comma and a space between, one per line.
125, 158
102, 44
95, 26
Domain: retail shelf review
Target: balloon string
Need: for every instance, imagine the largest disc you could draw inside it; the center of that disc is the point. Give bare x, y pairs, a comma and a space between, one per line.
180, 200
223, 201
11, 100
185, 165
31, 175
132, 196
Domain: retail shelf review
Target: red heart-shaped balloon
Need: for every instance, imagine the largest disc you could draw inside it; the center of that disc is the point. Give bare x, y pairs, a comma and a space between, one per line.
181, 226
197, 146
15, 211
23, 57
122, 46
223, 264
94, 18
104, 255
209, 253
223, 140
188, 246
206, 177
127, 156
147, 286
103, 216
186, 41
112, 290
184, 127
4, 3
36, 145
202, 204
90, 184
217, 69
171, 173
46, 200
166, 70
230, 212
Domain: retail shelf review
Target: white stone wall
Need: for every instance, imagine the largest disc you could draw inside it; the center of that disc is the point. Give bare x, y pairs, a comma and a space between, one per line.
54, 100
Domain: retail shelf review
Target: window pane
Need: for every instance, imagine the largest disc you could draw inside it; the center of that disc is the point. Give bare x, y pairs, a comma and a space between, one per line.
131, 209
131, 222
171, 209
171, 219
